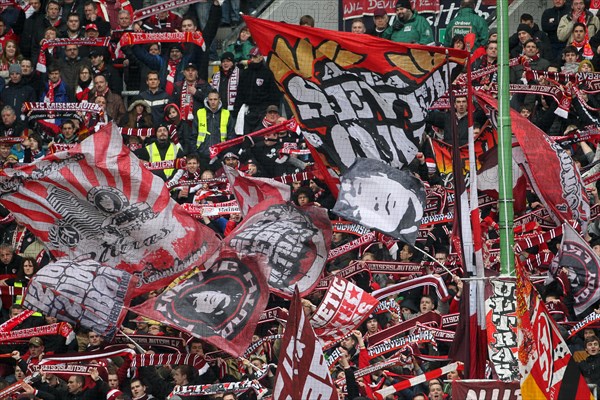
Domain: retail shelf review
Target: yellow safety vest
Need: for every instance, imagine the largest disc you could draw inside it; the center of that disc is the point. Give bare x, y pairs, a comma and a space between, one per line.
19, 298
203, 125
171, 155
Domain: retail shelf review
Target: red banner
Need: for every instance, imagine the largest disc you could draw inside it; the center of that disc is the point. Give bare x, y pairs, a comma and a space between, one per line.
486, 390
302, 371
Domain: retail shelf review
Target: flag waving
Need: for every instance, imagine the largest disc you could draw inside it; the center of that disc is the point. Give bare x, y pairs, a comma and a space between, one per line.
378, 196
81, 292
546, 162
294, 240
355, 95
547, 368
221, 305
302, 371
584, 268
96, 201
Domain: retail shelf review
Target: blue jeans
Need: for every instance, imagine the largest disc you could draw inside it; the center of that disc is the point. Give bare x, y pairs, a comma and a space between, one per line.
231, 11
202, 11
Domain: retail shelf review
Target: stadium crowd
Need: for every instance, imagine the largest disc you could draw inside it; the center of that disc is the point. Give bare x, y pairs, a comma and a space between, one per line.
180, 111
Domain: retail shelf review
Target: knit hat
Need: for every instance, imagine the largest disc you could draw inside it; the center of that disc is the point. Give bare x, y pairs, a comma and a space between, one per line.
113, 394
526, 28
404, 4
15, 69
228, 56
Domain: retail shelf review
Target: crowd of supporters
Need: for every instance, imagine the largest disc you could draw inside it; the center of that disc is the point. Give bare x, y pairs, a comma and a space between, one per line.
181, 111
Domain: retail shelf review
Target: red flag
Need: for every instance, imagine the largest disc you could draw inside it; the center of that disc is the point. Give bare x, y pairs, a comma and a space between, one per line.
344, 307
584, 269
547, 368
250, 191
294, 240
470, 340
96, 201
551, 170
302, 371
221, 305
355, 96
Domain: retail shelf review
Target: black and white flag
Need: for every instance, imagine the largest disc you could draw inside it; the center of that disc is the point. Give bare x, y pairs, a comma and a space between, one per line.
381, 197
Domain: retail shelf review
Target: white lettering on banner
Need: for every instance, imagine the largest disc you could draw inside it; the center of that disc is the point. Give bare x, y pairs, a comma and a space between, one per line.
502, 339
362, 99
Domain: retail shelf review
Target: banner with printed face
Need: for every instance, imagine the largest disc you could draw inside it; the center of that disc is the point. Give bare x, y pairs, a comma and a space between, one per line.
96, 201
81, 292
221, 305
381, 197
355, 95
295, 241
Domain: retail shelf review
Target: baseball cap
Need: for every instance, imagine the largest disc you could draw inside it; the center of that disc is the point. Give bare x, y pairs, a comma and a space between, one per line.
379, 12
91, 27
36, 341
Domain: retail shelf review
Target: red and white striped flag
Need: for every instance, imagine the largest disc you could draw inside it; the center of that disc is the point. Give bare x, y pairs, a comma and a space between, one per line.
97, 201
250, 191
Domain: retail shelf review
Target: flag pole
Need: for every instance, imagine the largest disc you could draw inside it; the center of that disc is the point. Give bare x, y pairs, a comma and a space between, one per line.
505, 196
135, 344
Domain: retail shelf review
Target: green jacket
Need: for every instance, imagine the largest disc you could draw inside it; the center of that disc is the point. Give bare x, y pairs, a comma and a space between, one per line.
467, 21
415, 30
240, 50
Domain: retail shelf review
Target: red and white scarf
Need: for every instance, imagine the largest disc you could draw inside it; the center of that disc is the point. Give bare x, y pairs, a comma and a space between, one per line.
146, 12
50, 44
187, 103
130, 39
171, 72
232, 85
51, 89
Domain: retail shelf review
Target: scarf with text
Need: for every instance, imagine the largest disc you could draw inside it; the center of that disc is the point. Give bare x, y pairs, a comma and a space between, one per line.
154, 9
212, 210
61, 328
400, 343
171, 72
232, 84
130, 38
49, 44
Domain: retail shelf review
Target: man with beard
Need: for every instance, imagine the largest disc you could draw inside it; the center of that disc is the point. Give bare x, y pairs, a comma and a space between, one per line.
257, 90
161, 150
69, 66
